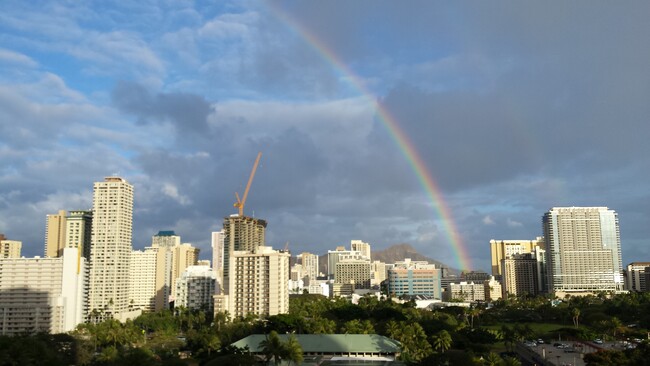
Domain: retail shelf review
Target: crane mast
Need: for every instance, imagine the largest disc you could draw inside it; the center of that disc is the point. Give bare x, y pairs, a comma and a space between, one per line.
241, 202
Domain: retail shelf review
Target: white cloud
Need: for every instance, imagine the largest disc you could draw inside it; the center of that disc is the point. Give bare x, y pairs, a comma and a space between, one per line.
487, 220
19, 59
512, 223
171, 191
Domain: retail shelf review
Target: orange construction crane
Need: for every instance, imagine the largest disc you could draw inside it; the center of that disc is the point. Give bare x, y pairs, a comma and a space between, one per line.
241, 202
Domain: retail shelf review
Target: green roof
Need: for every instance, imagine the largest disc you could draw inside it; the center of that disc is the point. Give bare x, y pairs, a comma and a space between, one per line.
330, 343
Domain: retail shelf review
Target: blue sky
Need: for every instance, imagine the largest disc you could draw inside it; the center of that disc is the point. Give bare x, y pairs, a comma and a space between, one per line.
514, 107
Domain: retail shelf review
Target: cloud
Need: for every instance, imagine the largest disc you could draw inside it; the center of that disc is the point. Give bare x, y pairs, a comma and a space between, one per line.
487, 220
16, 58
187, 112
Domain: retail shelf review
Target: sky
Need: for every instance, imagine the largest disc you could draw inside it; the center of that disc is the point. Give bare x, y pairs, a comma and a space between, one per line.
510, 108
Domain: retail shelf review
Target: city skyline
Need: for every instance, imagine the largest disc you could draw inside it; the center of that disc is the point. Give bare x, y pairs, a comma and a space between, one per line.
506, 111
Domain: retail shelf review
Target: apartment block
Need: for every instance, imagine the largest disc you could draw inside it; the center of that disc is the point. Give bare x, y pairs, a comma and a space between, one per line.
257, 283
55, 234
583, 250
502, 249
637, 276
111, 248
42, 294
465, 291
10, 248
195, 288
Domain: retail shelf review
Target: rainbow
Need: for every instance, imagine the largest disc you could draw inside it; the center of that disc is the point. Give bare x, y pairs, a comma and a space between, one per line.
397, 134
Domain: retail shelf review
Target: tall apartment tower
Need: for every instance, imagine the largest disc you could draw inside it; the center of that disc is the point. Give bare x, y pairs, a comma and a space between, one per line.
78, 231
258, 280
583, 250
309, 264
111, 248
241, 233
218, 238
637, 273
55, 234
502, 249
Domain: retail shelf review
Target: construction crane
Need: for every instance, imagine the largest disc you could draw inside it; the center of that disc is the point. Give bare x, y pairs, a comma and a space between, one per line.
241, 202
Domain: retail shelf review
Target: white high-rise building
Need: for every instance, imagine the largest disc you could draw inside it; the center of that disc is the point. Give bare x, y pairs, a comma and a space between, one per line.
583, 250
217, 256
360, 246
111, 248
147, 287
78, 231
42, 294
195, 288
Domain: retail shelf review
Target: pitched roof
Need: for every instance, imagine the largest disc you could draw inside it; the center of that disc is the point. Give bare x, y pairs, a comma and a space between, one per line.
330, 343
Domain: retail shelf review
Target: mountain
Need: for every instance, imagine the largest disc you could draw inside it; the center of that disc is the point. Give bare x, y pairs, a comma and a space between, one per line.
399, 252
392, 254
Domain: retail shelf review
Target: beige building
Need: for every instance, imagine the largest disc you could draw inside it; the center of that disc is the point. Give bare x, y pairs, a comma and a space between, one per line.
465, 291
55, 226
147, 288
493, 289
240, 233
108, 295
361, 247
78, 231
502, 249
353, 271
341, 254
309, 264
379, 273
637, 276
520, 274
10, 248
183, 256
42, 294
257, 282
583, 250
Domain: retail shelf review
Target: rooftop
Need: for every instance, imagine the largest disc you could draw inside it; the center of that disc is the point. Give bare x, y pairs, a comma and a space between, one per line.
330, 343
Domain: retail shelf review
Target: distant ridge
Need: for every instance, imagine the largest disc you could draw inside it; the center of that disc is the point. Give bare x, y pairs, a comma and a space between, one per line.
399, 252
395, 253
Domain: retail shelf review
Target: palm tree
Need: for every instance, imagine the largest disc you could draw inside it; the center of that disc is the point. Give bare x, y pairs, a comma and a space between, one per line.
441, 341
492, 359
473, 312
575, 313
293, 350
273, 348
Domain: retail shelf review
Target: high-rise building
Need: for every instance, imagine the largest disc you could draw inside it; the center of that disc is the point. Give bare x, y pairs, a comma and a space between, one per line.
42, 294
353, 271
195, 288
341, 254
493, 289
183, 256
501, 249
78, 231
258, 283
111, 248
165, 239
217, 257
379, 273
309, 264
10, 248
361, 247
637, 273
55, 226
148, 290
414, 278
583, 250
520, 275
241, 233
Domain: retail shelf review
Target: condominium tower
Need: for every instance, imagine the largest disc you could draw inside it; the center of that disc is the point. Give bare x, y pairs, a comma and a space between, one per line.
583, 250
240, 233
111, 248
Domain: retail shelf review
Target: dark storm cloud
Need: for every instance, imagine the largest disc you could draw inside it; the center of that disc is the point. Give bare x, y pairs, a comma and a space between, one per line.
187, 112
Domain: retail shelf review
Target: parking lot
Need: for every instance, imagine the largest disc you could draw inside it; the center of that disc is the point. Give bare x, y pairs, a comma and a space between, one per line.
565, 353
